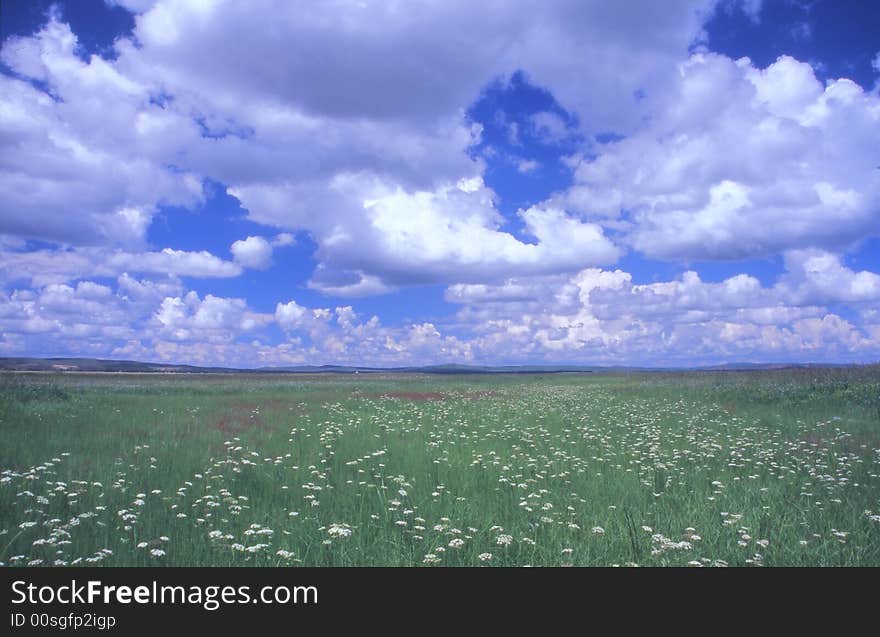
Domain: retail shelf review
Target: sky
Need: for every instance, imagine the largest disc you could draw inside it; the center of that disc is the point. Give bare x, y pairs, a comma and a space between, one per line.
269, 183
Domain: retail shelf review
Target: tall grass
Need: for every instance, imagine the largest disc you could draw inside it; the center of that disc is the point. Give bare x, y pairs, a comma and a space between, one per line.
758, 468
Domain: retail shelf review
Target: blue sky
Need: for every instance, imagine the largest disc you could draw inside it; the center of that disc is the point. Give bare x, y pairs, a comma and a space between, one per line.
680, 183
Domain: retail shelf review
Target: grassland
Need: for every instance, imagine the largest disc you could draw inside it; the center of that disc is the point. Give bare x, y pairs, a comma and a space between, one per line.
706, 469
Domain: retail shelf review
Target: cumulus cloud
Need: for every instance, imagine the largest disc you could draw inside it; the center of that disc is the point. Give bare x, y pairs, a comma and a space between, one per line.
147, 319
602, 316
200, 264
350, 283
290, 315
81, 172
816, 276
341, 335
256, 252
40, 267
593, 317
320, 126
742, 162
211, 319
454, 233
291, 138
58, 318
551, 292
252, 252
145, 294
343, 60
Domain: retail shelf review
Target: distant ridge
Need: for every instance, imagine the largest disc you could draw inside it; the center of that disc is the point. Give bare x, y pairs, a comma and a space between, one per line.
105, 365
99, 365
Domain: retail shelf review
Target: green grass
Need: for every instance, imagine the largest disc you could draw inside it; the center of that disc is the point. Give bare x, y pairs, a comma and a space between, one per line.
747, 468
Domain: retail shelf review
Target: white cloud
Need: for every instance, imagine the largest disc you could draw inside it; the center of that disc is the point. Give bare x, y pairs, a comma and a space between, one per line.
815, 276
82, 172
252, 252
212, 319
454, 233
283, 239
351, 283
82, 316
515, 290
342, 60
526, 166
319, 126
146, 319
145, 294
752, 8
289, 137
200, 264
40, 267
135, 6
549, 127
381, 236
593, 317
290, 315
742, 162
599, 316
256, 252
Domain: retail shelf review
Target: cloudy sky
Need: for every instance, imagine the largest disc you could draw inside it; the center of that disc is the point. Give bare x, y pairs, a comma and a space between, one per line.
269, 182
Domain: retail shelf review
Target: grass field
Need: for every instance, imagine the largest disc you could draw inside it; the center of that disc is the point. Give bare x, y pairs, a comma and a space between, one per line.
747, 468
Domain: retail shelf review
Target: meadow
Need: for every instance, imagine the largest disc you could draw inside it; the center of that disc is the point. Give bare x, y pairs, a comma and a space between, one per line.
759, 468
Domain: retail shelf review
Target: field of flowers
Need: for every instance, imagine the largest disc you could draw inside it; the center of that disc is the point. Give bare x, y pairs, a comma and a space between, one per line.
702, 469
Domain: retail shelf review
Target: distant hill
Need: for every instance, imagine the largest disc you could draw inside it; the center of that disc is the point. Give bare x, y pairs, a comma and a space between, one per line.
732, 367
99, 365
104, 365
